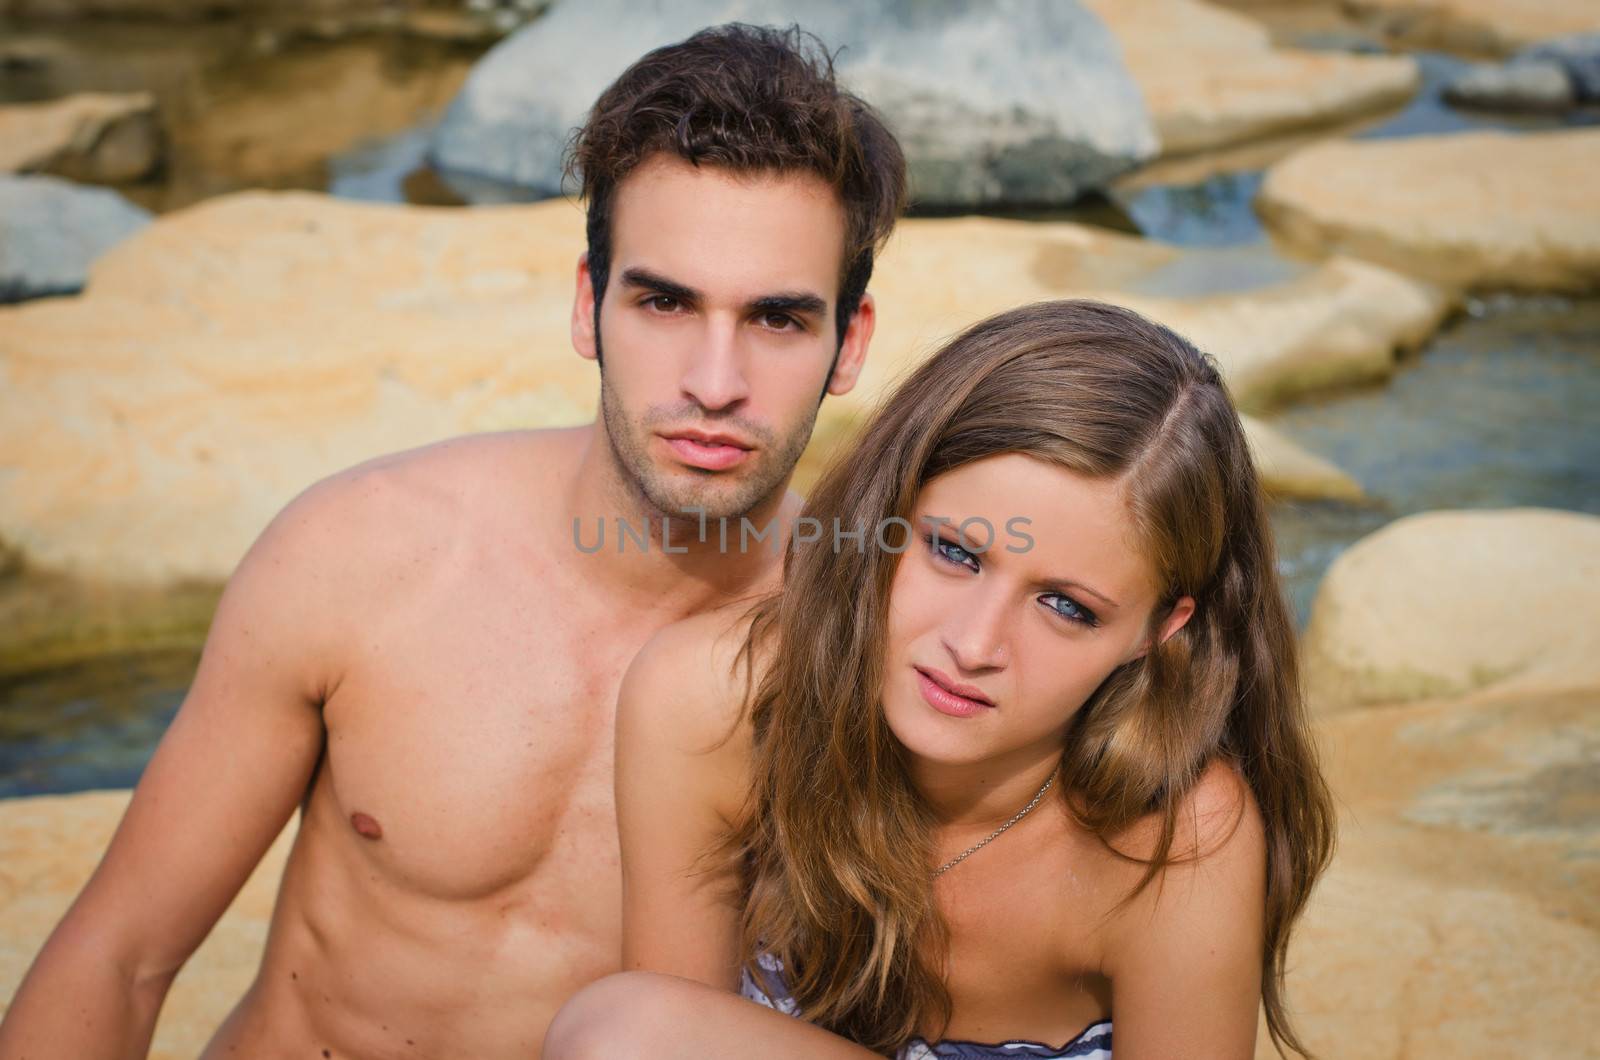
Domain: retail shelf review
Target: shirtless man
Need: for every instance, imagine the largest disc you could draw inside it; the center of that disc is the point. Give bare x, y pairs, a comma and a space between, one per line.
423, 653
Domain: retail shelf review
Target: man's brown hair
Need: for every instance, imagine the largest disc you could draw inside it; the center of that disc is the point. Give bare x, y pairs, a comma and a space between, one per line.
751, 99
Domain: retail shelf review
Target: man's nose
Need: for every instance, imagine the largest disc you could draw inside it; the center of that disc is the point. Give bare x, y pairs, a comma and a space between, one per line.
715, 376
977, 633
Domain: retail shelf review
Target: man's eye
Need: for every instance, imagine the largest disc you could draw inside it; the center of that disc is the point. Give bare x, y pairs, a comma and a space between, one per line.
779, 322
952, 553
662, 303
1070, 609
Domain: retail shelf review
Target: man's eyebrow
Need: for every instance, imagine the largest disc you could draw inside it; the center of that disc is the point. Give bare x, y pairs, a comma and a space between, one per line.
637, 277
802, 302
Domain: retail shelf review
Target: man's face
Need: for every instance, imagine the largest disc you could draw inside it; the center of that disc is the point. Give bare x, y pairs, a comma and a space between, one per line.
718, 330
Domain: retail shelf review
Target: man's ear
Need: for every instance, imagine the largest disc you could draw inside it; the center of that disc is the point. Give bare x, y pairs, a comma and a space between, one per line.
853, 350
1176, 619
583, 311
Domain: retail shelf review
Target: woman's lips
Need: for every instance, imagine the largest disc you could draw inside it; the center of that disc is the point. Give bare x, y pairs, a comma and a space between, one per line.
707, 455
945, 701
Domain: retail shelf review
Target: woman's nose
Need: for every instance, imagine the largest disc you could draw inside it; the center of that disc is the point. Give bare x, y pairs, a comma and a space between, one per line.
977, 634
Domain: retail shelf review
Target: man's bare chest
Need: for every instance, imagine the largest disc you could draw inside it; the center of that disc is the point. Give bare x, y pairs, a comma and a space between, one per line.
471, 750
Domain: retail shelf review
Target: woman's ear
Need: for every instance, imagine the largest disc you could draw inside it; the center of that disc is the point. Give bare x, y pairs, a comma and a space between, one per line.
1176, 619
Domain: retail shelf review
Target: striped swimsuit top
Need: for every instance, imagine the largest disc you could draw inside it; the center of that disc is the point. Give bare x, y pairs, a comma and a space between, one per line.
1091, 1043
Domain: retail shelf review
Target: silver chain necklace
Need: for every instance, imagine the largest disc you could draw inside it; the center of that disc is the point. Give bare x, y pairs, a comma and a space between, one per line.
992, 836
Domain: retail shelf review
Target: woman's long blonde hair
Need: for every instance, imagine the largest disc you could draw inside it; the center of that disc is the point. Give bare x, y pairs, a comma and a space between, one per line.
836, 847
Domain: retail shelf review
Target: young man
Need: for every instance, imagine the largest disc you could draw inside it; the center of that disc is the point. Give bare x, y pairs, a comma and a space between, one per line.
423, 653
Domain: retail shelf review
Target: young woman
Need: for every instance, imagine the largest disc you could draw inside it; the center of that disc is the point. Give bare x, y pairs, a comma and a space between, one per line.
1023, 760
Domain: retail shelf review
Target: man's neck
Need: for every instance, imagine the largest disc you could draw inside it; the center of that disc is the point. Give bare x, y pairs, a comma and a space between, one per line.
683, 562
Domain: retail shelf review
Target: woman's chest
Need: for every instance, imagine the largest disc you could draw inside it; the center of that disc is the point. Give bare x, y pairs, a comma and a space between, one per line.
1024, 947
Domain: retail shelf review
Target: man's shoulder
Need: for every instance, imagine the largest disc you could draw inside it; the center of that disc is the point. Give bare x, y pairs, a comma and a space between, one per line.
432, 488
357, 526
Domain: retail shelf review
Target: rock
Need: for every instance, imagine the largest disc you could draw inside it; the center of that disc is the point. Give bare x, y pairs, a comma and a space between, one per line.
1293, 473
1461, 917
1212, 77
1492, 27
1452, 603
52, 230
1275, 337
1482, 209
1535, 86
1578, 55
178, 10
237, 351
93, 137
48, 847
24, 56
1020, 101
451, 27
1551, 76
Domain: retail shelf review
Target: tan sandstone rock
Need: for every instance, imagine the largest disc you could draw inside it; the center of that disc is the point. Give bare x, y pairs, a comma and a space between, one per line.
48, 847
1212, 77
94, 137
1462, 914
1292, 472
1483, 209
233, 353
1461, 917
1491, 26
1453, 603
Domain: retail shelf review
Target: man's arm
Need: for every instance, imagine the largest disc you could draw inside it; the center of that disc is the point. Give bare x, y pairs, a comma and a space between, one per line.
1185, 956
220, 787
680, 781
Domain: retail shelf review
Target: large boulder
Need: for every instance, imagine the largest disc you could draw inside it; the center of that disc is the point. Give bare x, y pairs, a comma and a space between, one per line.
52, 230
49, 845
1018, 101
1483, 209
1461, 917
234, 352
1494, 27
92, 136
1453, 603
1213, 77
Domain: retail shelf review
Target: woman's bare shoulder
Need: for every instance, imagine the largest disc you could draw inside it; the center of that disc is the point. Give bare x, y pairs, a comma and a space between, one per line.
1215, 877
695, 673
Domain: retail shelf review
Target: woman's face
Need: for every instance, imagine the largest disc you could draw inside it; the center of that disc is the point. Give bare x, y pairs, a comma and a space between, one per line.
994, 643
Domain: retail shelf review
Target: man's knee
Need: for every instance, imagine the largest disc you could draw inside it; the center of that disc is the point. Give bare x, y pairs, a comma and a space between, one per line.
616, 1016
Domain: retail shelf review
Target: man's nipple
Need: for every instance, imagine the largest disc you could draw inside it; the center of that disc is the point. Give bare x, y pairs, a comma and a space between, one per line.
366, 826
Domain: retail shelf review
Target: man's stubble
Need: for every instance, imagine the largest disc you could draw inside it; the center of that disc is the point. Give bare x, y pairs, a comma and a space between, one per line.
719, 495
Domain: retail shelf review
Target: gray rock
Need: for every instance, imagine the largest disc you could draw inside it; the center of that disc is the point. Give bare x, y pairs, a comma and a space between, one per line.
51, 230
1578, 55
1014, 101
1521, 85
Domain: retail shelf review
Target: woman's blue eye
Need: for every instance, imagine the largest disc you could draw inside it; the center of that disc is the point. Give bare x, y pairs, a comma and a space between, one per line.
951, 552
1070, 609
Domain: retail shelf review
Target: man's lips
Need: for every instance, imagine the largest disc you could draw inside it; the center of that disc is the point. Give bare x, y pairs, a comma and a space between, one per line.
708, 450
949, 696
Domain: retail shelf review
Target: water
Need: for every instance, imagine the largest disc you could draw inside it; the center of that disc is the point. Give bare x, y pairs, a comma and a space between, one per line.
91, 725
1498, 412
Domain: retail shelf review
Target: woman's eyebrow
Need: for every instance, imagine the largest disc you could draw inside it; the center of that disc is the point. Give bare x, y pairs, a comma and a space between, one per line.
1072, 583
